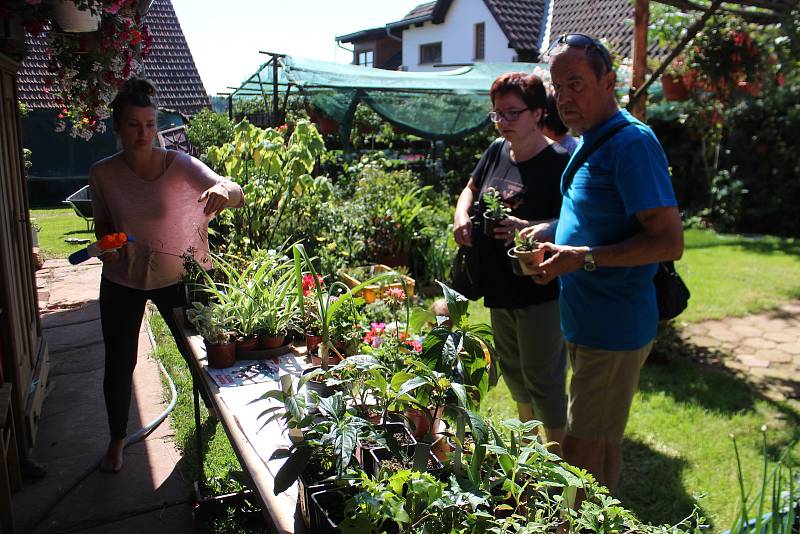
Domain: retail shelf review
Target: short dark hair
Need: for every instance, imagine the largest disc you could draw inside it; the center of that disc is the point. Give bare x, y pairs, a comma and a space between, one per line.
552, 120
135, 92
525, 85
597, 55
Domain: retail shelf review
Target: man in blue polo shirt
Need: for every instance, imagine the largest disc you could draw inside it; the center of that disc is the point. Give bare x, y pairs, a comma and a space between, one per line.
618, 218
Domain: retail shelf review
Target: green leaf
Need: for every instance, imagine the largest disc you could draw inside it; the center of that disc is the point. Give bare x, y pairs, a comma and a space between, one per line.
457, 303
291, 468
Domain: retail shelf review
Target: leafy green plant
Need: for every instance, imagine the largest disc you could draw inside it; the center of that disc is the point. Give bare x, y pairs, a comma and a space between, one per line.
336, 430
209, 129
275, 176
465, 350
774, 505
213, 321
526, 243
494, 207
408, 499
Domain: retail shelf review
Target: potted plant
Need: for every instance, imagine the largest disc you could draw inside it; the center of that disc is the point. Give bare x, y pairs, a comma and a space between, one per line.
213, 322
323, 305
276, 314
325, 454
494, 211
464, 350
526, 253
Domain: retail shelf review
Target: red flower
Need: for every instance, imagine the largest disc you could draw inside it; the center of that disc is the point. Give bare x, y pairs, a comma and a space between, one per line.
308, 284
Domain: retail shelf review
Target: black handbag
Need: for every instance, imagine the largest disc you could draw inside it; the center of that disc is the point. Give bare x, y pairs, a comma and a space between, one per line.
672, 294
467, 263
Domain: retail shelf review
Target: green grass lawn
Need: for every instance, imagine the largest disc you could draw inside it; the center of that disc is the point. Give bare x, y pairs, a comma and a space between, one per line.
57, 224
734, 275
677, 442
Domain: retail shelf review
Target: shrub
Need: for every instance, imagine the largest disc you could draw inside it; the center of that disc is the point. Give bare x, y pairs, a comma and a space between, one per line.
209, 129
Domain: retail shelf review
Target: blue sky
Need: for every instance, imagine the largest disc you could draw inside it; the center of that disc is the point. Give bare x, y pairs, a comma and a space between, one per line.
225, 36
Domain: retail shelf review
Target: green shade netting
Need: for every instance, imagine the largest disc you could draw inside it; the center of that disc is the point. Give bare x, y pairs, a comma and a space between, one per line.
446, 104
435, 105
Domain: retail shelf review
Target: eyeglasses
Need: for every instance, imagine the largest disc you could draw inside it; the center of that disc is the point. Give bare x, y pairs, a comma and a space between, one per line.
581, 40
508, 116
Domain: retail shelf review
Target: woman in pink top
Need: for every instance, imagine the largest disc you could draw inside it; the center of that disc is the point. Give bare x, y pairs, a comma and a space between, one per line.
164, 199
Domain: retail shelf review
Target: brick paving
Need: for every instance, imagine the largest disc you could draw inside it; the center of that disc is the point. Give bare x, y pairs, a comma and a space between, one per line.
764, 348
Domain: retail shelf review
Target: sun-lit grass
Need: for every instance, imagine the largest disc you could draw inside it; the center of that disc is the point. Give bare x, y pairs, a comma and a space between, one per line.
735, 275
56, 225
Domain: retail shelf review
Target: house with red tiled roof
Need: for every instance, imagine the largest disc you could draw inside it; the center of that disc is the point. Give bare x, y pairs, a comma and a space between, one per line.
66, 159
461, 32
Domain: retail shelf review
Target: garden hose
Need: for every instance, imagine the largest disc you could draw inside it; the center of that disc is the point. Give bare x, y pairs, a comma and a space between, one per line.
130, 440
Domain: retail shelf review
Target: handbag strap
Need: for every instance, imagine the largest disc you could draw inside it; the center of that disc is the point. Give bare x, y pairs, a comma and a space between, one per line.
584, 153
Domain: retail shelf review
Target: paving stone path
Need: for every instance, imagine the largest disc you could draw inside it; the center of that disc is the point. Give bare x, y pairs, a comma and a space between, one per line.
763, 348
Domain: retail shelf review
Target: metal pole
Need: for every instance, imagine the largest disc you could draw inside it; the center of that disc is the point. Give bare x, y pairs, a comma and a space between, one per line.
690, 34
275, 90
230, 107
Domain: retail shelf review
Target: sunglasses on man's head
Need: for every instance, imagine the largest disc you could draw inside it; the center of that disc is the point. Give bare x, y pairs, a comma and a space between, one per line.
581, 40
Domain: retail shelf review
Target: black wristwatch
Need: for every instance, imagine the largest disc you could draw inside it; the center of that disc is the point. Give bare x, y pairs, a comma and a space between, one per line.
589, 264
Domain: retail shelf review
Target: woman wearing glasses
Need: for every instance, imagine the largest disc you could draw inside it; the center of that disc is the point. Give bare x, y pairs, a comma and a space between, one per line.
525, 168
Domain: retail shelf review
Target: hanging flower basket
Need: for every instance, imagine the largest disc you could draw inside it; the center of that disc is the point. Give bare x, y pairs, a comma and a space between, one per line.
73, 20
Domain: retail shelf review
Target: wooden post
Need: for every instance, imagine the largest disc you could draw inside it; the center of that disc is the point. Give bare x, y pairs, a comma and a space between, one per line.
690, 34
230, 107
641, 21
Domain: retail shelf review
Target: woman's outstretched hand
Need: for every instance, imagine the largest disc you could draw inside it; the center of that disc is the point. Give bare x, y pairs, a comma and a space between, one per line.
217, 199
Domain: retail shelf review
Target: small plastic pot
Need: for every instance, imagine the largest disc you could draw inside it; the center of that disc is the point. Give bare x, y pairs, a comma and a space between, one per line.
489, 224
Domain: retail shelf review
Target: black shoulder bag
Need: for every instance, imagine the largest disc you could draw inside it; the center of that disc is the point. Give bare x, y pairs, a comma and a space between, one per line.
467, 264
672, 295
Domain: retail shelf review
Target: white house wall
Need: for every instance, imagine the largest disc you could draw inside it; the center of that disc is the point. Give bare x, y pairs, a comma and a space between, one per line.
457, 35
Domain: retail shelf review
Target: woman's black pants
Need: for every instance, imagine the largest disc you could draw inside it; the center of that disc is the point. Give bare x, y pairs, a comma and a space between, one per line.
121, 313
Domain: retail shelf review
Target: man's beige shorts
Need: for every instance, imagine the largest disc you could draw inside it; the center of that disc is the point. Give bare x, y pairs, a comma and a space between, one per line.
601, 390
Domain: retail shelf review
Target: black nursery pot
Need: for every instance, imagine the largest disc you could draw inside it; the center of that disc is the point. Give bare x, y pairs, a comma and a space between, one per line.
378, 455
362, 453
489, 224
322, 389
306, 487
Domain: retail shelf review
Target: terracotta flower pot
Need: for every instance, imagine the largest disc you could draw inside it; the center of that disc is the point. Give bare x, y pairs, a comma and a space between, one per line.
312, 342
529, 257
248, 343
221, 355
675, 89
270, 342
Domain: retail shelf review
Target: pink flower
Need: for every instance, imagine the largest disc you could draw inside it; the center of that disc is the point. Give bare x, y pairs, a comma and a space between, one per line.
395, 295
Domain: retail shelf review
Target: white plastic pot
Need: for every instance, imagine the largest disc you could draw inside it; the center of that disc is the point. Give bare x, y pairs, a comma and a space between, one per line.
74, 20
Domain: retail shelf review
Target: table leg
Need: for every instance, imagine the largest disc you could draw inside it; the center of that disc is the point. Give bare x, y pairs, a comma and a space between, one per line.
198, 429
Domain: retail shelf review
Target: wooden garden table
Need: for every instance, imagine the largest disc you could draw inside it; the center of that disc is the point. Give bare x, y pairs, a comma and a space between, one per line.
252, 444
